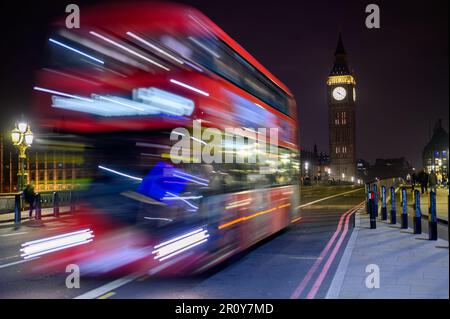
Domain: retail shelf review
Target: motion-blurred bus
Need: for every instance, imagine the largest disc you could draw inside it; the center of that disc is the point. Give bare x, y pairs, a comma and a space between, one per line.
112, 95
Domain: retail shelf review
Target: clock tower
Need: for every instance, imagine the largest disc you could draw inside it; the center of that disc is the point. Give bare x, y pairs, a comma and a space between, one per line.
341, 117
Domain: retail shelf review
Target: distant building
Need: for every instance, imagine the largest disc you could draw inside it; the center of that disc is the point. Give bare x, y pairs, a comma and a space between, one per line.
388, 168
315, 166
435, 153
362, 169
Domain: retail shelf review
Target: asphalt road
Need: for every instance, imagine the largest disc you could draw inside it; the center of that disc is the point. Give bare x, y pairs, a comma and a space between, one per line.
298, 262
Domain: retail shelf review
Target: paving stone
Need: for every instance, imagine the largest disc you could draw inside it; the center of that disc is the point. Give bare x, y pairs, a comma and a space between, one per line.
409, 268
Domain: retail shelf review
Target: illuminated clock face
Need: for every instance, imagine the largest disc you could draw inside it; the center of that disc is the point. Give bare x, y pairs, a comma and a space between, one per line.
354, 94
339, 93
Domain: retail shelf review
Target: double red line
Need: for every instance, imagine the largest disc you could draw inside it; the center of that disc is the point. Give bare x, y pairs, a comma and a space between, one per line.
343, 221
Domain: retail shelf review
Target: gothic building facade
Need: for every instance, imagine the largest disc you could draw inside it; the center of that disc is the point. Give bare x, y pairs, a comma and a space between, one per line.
341, 97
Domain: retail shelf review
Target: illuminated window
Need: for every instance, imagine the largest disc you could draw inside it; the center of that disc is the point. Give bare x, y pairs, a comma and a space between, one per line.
344, 117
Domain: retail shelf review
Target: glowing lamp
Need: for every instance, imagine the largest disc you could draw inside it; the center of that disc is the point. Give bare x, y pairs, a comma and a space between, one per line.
22, 127
29, 137
15, 136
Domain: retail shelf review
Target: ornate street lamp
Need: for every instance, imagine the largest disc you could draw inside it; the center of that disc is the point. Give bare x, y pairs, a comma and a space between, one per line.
22, 137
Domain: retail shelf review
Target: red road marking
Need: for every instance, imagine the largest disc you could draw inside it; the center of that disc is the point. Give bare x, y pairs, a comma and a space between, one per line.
330, 259
314, 267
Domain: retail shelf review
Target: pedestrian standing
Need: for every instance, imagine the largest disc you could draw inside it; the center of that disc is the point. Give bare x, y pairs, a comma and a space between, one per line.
432, 181
408, 179
413, 180
439, 179
30, 197
423, 181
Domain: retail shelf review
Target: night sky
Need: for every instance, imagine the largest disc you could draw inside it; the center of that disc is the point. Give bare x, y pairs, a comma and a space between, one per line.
401, 69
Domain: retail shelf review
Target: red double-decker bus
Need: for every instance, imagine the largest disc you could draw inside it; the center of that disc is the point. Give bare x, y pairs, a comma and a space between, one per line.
114, 94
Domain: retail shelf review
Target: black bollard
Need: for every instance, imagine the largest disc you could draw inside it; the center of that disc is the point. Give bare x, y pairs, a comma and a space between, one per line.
404, 209
432, 218
373, 220
17, 209
367, 190
375, 200
393, 209
383, 203
37, 203
367, 198
55, 204
418, 213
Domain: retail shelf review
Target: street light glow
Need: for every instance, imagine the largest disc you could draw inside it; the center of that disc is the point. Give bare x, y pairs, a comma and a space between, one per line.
22, 137
22, 126
15, 136
29, 137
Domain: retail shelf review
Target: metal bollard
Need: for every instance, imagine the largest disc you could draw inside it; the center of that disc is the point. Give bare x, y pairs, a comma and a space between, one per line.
383, 203
55, 204
404, 209
17, 208
367, 196
373, 220
432, 218
37, 202
418, 213
375, 200
393, 208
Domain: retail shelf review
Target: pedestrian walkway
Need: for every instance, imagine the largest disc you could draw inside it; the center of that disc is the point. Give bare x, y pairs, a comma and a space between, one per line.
441, 203
410, 266
45, 212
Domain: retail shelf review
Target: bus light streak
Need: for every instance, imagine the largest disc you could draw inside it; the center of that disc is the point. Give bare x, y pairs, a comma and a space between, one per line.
128, 50
180, 244
55, 243
180, 198
75, 50
241, 219
131, 34
37, 88
189, 87
119, 173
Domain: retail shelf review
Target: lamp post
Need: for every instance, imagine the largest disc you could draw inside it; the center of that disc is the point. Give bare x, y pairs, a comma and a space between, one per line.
22, 137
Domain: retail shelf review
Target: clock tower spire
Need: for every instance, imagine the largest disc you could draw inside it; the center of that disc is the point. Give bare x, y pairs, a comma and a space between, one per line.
341, 117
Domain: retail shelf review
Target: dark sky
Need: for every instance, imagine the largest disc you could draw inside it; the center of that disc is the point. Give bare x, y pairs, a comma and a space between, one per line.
401, 69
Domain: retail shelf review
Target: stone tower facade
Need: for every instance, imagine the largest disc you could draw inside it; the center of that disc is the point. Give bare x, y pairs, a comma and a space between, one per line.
341, 97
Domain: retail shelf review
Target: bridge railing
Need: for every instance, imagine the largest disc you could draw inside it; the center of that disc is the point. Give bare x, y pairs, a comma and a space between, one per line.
14, 202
